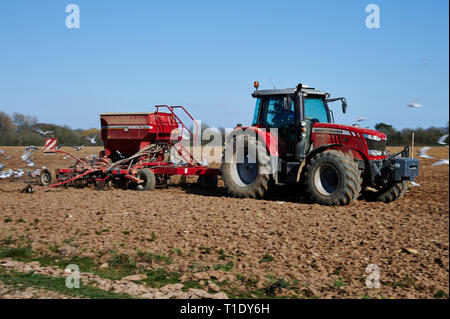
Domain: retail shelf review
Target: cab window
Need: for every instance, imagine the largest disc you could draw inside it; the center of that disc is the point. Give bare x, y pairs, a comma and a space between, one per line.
315, 109
256, 114
280, 112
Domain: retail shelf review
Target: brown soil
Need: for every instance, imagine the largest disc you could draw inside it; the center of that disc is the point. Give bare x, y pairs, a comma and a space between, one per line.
322, 251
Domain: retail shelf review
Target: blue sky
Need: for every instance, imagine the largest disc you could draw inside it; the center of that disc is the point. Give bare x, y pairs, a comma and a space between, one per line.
205, 55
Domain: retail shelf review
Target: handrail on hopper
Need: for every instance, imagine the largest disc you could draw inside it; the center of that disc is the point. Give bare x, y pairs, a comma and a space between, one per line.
183, 126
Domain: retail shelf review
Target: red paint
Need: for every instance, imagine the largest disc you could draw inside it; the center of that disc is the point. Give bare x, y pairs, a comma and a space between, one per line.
354, 143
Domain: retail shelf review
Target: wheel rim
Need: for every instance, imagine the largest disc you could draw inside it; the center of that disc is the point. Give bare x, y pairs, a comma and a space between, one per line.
46, 178
247, 171
327, 179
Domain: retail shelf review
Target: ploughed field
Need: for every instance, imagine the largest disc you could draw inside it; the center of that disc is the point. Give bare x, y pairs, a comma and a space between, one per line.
281, 246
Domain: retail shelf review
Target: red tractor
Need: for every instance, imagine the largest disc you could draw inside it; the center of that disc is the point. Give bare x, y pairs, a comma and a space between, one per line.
293, 139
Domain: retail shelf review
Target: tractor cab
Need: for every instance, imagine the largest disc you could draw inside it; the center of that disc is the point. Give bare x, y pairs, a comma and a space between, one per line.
293, 111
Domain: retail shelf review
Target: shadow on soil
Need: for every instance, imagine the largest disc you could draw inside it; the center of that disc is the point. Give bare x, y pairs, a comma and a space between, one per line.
293, 194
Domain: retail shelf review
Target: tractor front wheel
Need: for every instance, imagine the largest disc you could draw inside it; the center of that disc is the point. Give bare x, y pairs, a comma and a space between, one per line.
332, 178
389, 193
148, 180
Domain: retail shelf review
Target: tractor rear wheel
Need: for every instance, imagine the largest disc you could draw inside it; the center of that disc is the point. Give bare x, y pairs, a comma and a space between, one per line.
332, 178
391, 192
246, 173
148, 178
47, 177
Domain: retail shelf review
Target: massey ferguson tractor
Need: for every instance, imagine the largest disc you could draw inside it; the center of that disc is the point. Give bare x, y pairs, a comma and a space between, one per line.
293, 139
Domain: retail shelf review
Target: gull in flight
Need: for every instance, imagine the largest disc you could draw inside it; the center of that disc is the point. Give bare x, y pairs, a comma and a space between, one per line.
78, 148
414, 103
7, 157
442, 139
43, 133
440, 162
30, 163
414, 183
423, 152
360, 119
26, 156
32, 147
92, 139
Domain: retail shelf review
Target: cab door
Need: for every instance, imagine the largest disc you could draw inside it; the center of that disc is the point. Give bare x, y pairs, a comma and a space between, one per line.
279, 113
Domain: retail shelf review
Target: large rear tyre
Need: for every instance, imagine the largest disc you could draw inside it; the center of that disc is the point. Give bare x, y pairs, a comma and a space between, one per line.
47, 177
148, 180
247, 172
332, 178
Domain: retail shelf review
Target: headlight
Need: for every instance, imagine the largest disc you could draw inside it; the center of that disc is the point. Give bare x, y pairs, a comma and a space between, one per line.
373, 137
376, 153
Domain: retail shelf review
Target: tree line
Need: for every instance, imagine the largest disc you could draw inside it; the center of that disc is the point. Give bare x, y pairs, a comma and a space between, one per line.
429, 136
20, 129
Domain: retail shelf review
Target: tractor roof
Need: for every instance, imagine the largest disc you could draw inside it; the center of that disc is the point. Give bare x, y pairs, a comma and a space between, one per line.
290, 91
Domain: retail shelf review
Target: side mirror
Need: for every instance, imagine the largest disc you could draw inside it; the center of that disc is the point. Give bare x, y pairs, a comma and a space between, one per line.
344, 106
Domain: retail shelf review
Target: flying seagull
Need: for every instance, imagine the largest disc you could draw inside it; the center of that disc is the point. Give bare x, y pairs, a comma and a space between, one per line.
43, 133
360, 119
30, 163
423, 152
26, 156
78, 148
442, 139
32, 147
92, 139
414, 103
440, 162
414, 183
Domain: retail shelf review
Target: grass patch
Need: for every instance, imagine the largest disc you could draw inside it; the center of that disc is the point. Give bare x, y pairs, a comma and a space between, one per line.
157, 278
225, 267
267, 258
58, 284
151, 257
178, 251
405, 283
8, 241
338, 283
222, 255
19, 253
191, 284
440, 294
